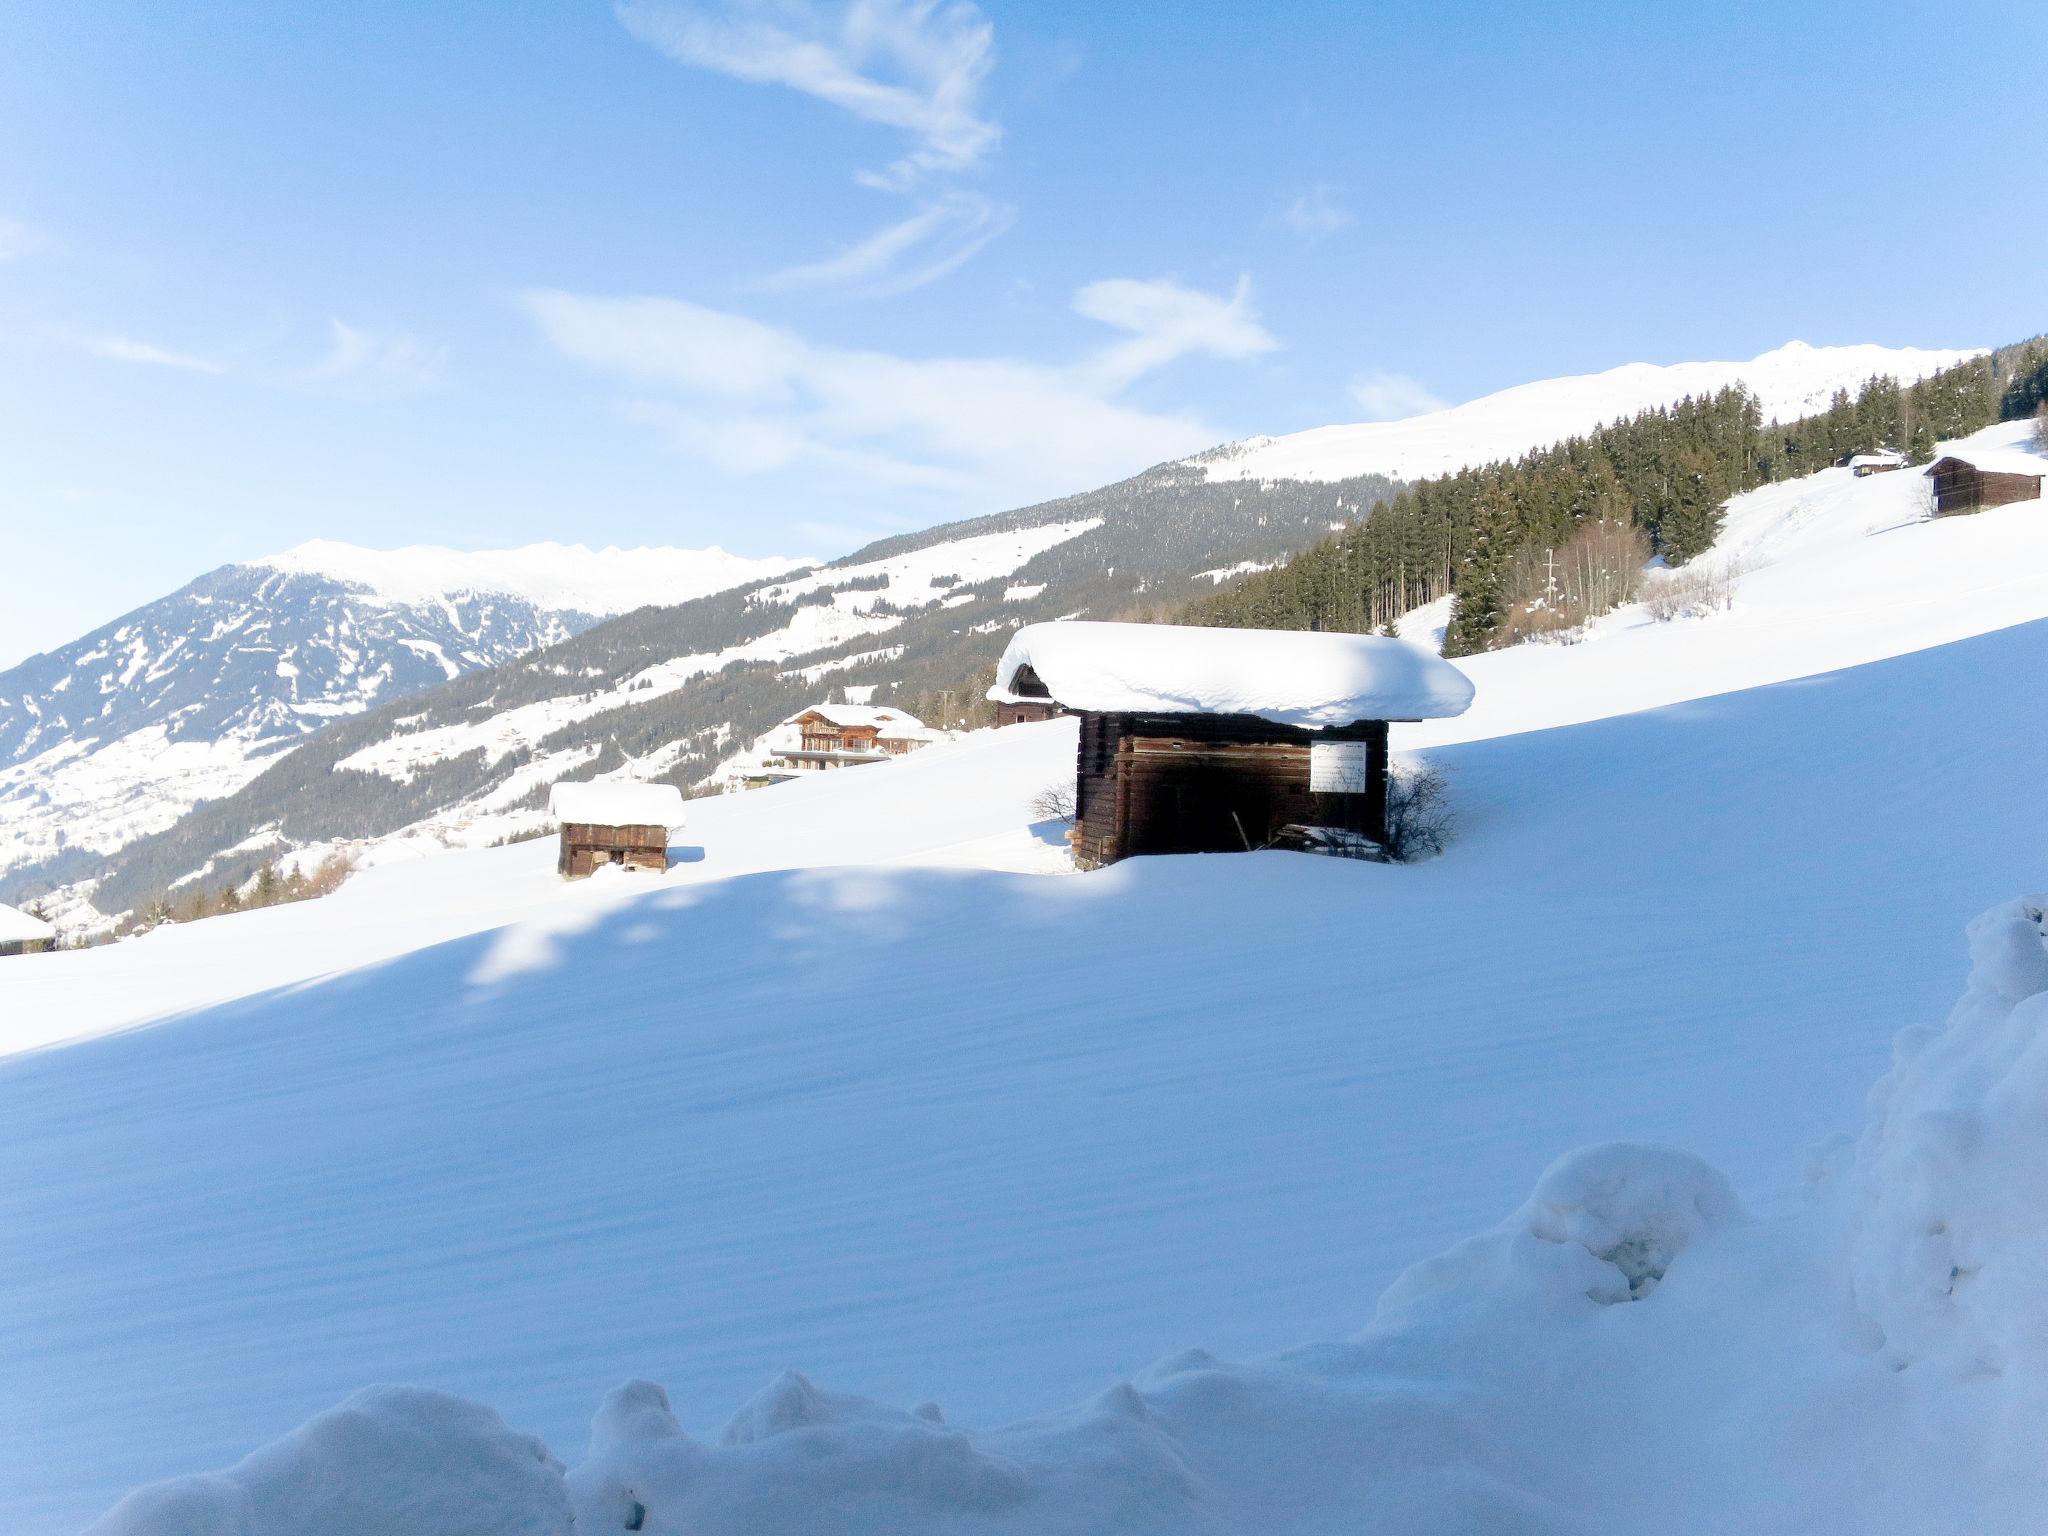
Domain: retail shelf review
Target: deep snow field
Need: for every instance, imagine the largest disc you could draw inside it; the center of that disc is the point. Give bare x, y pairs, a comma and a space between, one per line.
866, 1089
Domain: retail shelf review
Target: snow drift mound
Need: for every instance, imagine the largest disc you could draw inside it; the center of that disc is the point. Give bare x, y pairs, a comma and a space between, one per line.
1628, 1350
1949, 1184
391, 1461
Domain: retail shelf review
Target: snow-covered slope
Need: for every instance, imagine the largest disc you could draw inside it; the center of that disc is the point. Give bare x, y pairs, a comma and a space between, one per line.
118, 734
1793, 381
833, 1095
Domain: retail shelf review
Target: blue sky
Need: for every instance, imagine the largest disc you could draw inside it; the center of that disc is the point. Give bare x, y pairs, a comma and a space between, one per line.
784, 276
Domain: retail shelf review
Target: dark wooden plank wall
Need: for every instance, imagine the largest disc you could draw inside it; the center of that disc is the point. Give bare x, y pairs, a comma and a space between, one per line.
1961, 487
587, 845
1209, 783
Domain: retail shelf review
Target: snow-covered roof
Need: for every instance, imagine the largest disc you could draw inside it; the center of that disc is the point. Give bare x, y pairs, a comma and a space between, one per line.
1292, 677
1996, 460
1876, 460
843, 715
617, 803
17, 927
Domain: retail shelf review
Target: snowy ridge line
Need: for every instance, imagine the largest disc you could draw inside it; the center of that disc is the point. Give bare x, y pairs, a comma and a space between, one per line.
1897, 1319
1793, 381
915, 580
569, 577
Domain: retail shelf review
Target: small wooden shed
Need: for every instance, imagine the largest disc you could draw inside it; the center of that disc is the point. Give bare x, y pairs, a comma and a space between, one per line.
1993, 478
1198, 740
623, 823
21, 934
1883, 462
1025, 711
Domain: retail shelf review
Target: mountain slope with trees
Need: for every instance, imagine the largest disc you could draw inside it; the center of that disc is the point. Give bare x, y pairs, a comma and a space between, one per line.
1665, 473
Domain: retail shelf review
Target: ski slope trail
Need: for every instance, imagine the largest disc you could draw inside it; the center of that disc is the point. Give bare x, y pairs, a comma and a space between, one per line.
981, 1136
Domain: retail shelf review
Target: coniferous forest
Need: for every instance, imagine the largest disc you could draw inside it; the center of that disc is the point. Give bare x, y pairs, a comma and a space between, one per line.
1666, 473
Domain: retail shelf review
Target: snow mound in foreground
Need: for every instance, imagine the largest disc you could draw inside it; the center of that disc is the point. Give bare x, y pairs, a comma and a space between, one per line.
1950, 1245
390, 1461
1879, 1363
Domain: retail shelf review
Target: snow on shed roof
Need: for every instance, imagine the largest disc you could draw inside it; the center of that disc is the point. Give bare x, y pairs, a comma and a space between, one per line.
1995, 461
617, 803
1292, 677
17, 927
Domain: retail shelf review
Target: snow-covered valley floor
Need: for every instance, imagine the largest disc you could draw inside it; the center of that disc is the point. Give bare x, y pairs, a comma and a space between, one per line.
858, 1090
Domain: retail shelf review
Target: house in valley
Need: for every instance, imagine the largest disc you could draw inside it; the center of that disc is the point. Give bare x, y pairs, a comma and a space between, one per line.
845, 736
1882, 462
1199, 740
23, 934
614, 822
1972, 479
1026, 710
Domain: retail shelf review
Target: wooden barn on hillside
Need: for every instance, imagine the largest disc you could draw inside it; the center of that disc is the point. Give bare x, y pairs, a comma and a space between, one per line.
1215, 740
21, 934
620, 823
1992, 477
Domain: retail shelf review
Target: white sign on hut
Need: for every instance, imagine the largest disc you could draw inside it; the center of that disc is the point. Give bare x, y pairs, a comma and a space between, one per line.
614, 822
1201, 740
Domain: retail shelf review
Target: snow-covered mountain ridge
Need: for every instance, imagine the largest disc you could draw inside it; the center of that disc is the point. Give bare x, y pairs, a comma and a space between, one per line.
566, 578
121, 732
1792, 381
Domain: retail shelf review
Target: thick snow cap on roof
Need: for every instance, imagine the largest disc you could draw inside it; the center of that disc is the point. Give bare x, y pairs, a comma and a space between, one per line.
617, 803
17, 927
1291, 677
2008, 448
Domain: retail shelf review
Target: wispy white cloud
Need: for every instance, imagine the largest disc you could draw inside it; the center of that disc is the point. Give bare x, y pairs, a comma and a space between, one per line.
920, 249
386, 359
125, 349
19, 239
1317, 212
750, 398
1393, 396
915, 65
1168, 320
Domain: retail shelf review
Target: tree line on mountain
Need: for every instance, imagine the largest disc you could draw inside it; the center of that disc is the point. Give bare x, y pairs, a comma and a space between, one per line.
1655, 483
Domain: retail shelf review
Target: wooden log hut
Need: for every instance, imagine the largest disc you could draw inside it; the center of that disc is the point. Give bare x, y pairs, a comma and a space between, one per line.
1025, 711
618, 823
1200, 740
22, 934
1991, 478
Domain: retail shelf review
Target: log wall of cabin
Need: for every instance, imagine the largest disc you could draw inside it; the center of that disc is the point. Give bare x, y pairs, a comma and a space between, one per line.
1960, 487
1209, 783
587, 846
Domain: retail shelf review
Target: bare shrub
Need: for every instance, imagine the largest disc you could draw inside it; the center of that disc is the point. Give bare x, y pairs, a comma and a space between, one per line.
1692, 591
1055, 802
1556, 593
1419, 817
